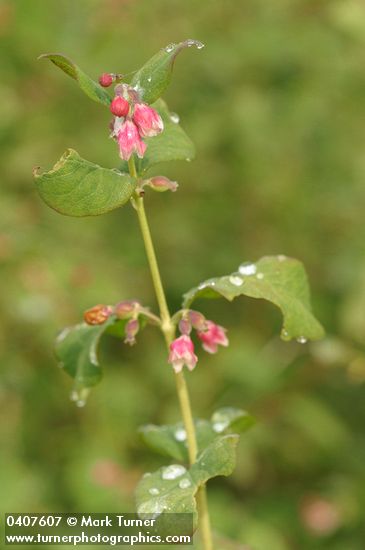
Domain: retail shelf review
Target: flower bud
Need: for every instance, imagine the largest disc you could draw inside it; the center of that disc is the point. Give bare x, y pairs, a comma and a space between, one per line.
182, 353
131, 329
125, 309
185, 326
119, 106
161, 184
197, 320
106, 80
97, 315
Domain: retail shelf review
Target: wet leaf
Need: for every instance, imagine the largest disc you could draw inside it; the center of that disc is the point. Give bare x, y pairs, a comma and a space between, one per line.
155, 75
278, 279
87, 85
172, 489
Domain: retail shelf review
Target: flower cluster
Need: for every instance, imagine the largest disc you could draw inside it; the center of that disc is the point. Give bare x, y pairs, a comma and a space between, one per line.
129, 310
133, 121
182, 348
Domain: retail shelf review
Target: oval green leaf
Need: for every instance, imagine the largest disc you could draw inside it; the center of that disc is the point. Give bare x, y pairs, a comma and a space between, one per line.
77, 187
155, 75
76, 350
172, 489
87, 85
277, 279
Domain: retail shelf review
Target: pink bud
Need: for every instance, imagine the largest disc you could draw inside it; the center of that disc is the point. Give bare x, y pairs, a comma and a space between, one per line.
213, 336
160, 183
119, 106
185, 326
106, 80
131, 329
147, 119
182, 353
129, 141
125, 309
197, 320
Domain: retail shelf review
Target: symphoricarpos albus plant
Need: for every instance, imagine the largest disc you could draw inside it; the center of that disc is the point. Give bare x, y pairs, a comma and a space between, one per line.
146, 134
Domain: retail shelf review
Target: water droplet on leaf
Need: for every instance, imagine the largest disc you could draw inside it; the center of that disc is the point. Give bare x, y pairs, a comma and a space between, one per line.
184, 483
170, 47
154, 491
174, 117
219, 427
180, 434
190, 42
173, 471
260, 276
247, 268
236, 280
302, 340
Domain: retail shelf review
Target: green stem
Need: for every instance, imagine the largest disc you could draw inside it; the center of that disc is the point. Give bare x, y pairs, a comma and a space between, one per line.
168, 330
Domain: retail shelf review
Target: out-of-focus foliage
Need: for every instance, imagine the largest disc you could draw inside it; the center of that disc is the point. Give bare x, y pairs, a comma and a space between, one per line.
275, 105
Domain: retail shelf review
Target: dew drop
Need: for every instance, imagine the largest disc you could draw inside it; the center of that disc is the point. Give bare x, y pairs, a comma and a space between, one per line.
174, 117
282, 258
190, 42
285, 334
260, 276
188, 160
147, 474
184, 483
150, 509
219, 427
302, 340
79, 397
149, 79
180, 434
247, 269
173, 471
235, 280
154, 491
170, 47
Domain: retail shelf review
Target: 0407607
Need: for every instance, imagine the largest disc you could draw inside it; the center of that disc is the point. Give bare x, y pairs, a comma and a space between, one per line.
146, 134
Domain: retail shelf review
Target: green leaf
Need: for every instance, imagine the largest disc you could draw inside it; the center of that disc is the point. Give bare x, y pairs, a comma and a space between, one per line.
87, 85
77, 187
154, 77
76, 349
278, 279
172, 144
172, 489
232, 420
170, 440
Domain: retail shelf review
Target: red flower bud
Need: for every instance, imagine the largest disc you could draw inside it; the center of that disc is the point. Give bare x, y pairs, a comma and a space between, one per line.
119, 106
106, 80
97, 315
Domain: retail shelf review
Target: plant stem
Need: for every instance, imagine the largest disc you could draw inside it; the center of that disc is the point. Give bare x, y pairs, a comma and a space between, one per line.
168, 330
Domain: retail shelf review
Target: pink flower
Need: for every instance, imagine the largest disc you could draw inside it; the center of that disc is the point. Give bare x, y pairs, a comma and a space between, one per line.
213, 336
182, 353
129, 140
148, 120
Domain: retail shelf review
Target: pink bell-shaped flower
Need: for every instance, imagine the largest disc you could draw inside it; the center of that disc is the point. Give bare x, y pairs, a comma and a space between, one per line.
182, 353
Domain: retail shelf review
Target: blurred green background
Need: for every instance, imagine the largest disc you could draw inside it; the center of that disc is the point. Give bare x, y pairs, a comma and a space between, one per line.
276, 106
